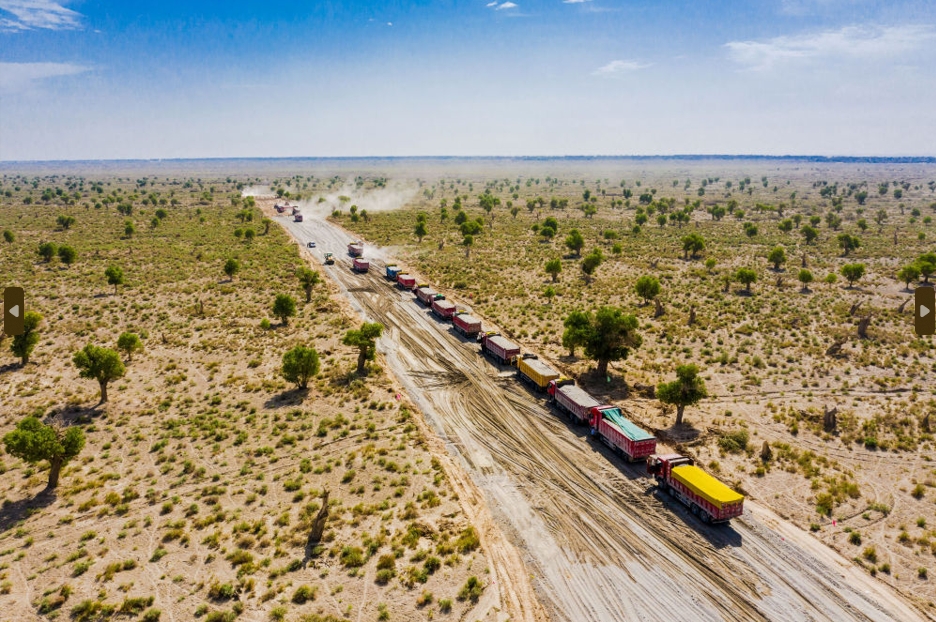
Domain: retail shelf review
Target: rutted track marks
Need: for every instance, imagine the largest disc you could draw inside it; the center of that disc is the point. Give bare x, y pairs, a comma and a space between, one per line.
603, 546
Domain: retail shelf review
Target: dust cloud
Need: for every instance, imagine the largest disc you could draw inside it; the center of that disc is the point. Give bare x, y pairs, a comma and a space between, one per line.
394, 196
257, 191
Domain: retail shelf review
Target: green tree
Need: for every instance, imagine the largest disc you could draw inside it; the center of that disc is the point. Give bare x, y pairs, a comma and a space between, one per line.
746, 276
777, 256
551, 222
65, 222
853, 272
575, 241
848, 243
688, 389
576, 330
880, 217
308, 278
161, 213
786, 225
549, 292
8, 236
750, 229
467, 242
548, 233
591, 262
553, 268
692, 243
365, 339
300, 365
128, 343
647, 287
101, 364
33, 441
115, 276
267, 222
24, 343
284, 307
129, 229
908, 274
67, 255
249, 234
611, 336
805, 277
809, 233
420, 230
927, 265
710, 263
47, 250
231, 267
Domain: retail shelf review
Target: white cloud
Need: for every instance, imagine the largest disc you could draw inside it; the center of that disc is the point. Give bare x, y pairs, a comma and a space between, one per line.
620, 66
490, 4
31, 14
868, 42
506, 5
20, 76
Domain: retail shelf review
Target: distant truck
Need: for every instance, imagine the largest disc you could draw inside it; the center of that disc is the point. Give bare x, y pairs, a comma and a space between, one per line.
360, 264
406, 281
393, 272
574, 401
329, 259
619, 433
706, 497
466, 324
356, 249
295, 210
498, 348
534, 372
426, 295
297, 217
443, 308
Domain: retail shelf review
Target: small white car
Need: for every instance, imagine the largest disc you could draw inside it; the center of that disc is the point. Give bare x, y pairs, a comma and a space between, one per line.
311, 244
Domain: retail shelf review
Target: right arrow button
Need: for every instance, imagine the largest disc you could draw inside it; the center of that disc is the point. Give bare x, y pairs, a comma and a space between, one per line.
925, 301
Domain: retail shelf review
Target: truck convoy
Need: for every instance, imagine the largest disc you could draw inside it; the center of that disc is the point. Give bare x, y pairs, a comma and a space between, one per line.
466, 324
426, 295
498, 348
443, 308
534, 372
360, 264
619, 433
705, 496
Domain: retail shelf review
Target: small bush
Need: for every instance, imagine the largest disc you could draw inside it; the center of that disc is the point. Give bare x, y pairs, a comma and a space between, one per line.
471, 590
445, 605
303, 594
734, 442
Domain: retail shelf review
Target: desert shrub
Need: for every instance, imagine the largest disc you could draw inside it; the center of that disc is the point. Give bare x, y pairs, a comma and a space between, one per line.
471, 590
304, 593
735, 441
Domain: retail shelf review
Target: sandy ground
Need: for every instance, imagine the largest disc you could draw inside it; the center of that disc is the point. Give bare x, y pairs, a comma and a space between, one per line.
597, 540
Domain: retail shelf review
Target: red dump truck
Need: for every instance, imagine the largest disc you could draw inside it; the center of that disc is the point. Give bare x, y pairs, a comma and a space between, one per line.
619, 433
706, 497
534, 372
360, 264
356, 249
466, 324
406, 281
572, 400
297, 217
443, 308
498, 348
426, 295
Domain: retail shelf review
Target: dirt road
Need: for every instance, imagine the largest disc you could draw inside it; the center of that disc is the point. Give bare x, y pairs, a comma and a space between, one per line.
598, 541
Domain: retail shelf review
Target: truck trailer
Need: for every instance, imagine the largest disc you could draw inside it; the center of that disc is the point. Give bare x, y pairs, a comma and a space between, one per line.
426, 295
619, 433
406, 281
534, 372
466, 324
705, 496
498, 348
356, 249
360, 264
443, 308
574, 401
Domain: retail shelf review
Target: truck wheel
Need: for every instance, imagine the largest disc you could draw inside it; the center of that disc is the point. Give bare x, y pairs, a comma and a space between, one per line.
694, 509
706, 517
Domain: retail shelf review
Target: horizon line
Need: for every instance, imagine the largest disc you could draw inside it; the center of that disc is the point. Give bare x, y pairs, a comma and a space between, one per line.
901, 159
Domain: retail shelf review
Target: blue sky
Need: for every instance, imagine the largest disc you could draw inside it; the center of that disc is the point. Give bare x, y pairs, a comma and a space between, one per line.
93, 79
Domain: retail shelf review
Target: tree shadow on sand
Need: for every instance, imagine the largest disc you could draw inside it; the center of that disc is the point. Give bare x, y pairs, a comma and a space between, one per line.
292, 397
13, 512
